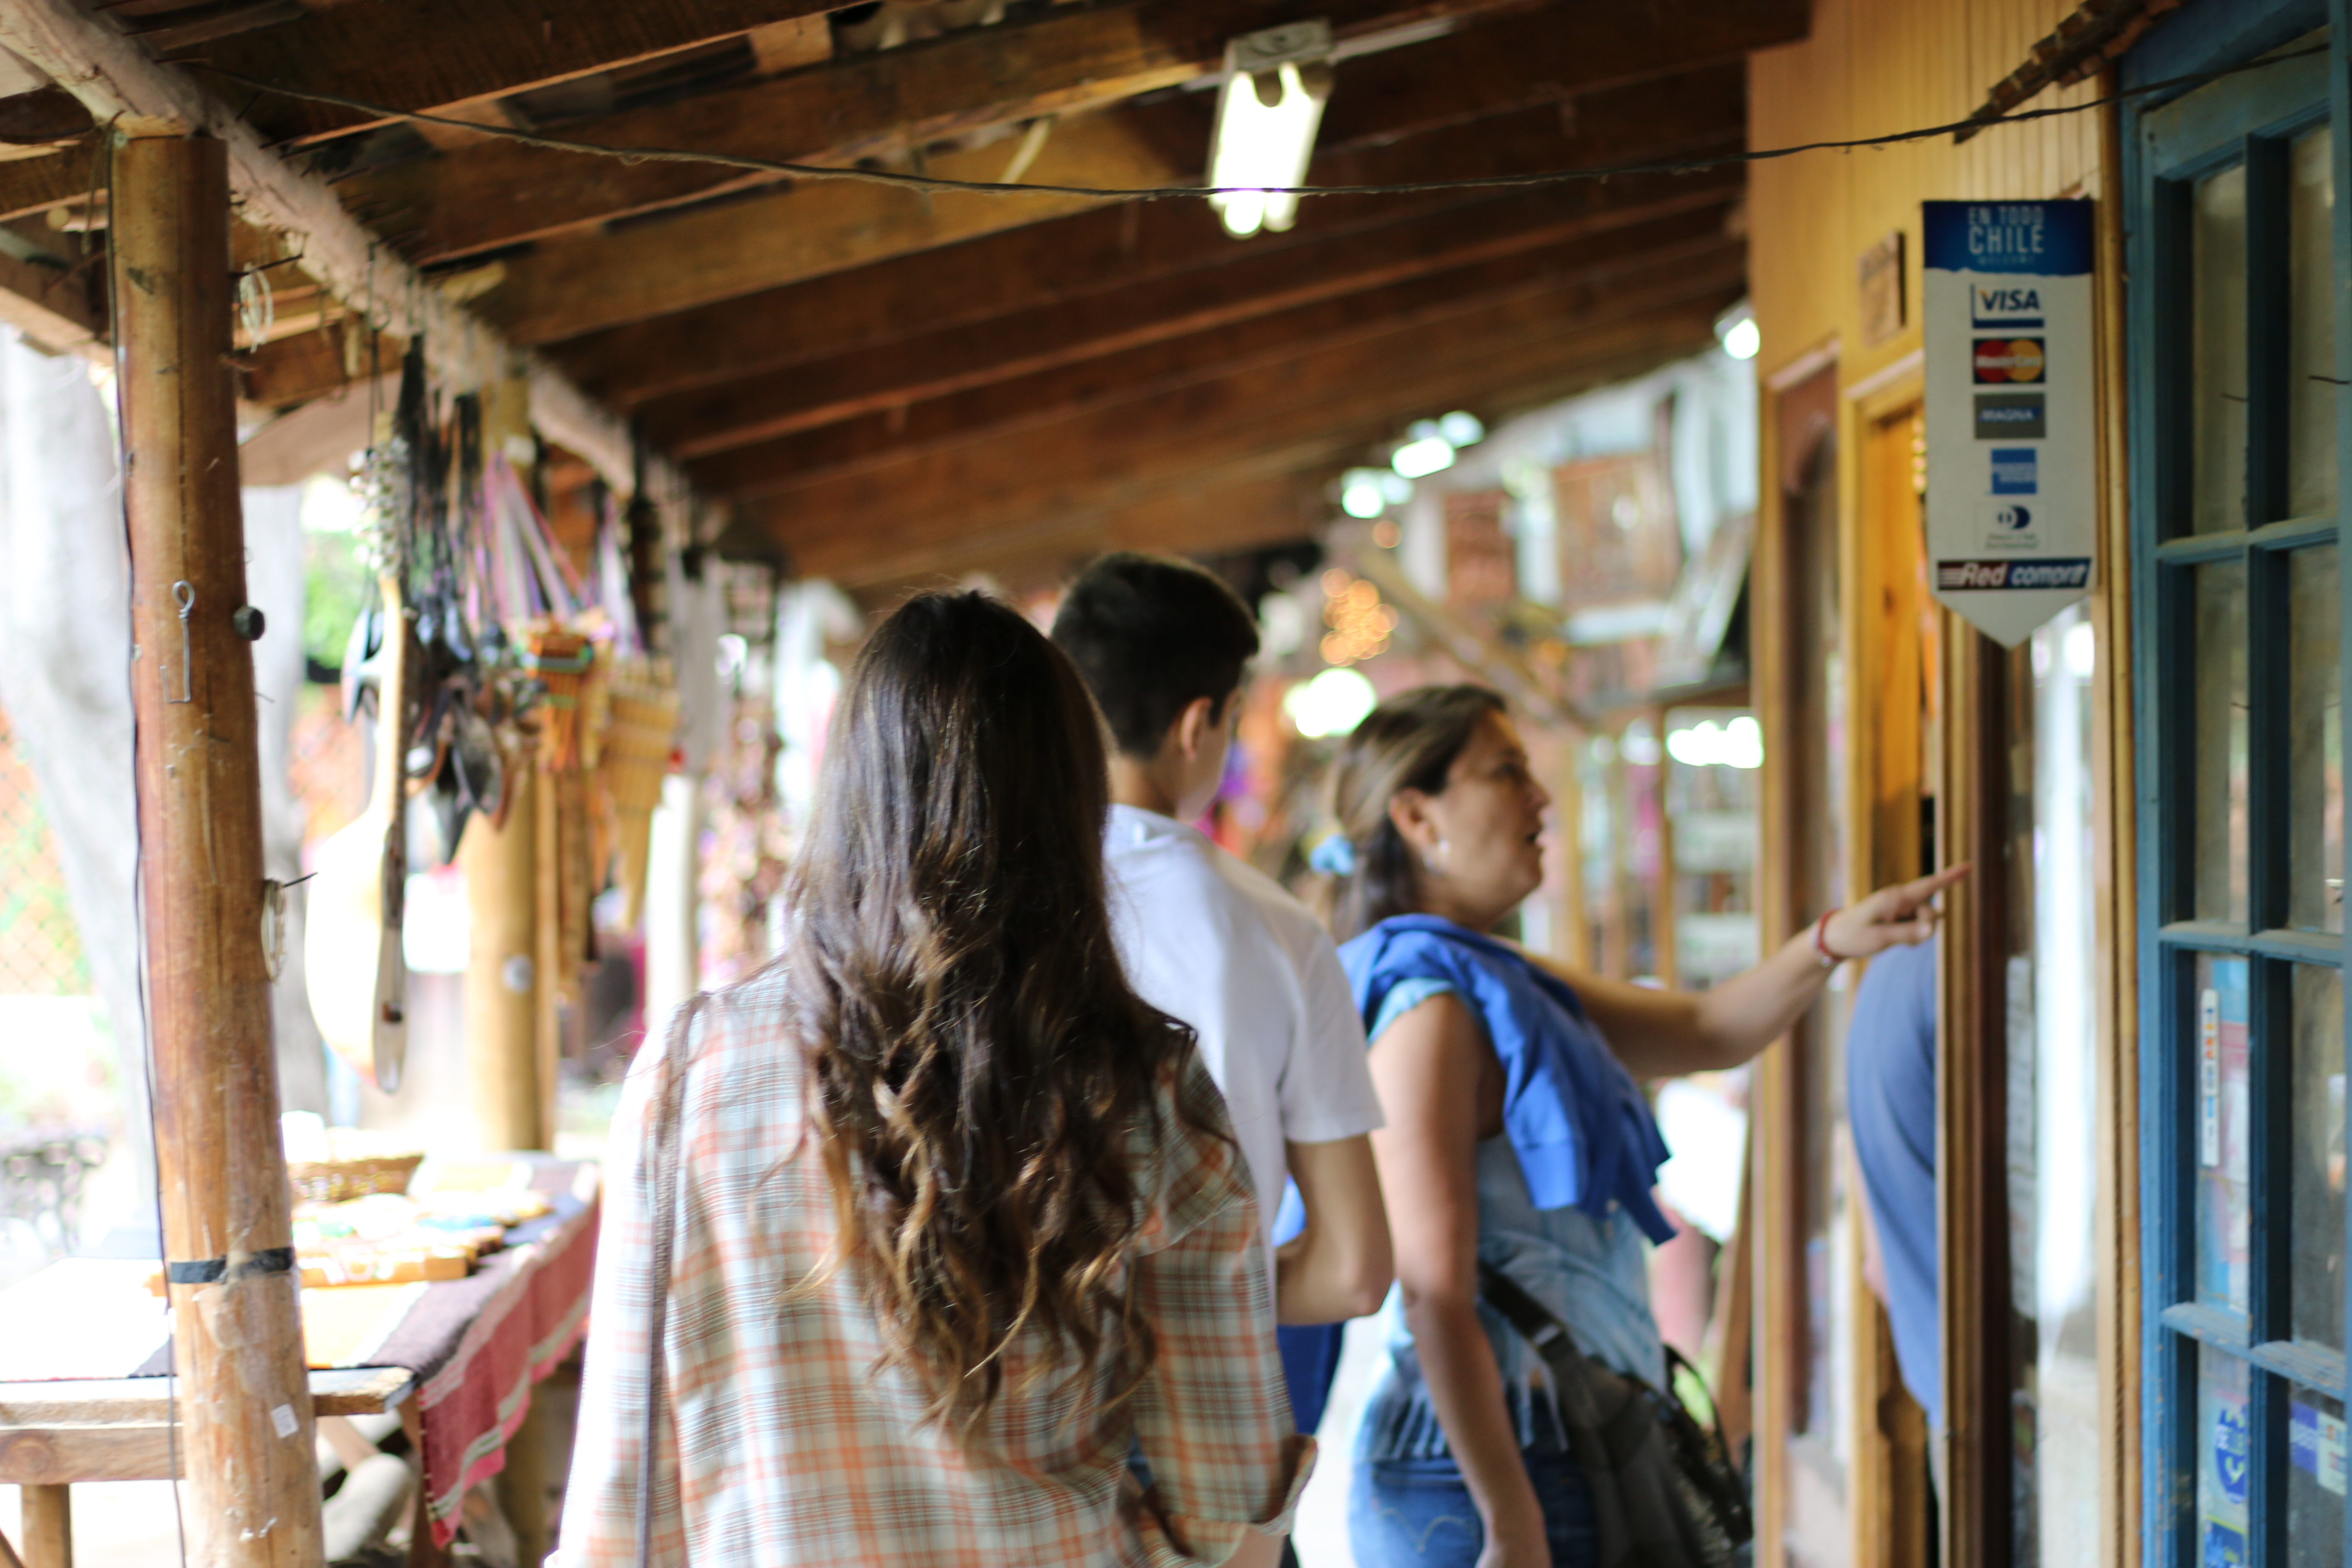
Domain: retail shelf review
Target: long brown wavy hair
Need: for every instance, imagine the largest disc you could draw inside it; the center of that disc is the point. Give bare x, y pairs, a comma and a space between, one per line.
984, 1080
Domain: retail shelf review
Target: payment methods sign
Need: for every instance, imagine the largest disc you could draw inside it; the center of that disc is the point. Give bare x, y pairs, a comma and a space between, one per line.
2012, 496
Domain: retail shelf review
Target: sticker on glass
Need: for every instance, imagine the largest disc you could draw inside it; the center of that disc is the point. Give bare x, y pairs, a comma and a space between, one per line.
2209, 1078
2315, 1442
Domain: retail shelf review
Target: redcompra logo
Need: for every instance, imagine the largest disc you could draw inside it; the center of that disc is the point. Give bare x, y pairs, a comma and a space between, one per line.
1961, 574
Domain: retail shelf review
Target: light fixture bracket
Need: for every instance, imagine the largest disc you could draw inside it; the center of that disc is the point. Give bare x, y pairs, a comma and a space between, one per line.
1271, 48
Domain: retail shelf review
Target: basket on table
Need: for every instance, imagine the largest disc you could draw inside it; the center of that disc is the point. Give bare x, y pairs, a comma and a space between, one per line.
356, 1166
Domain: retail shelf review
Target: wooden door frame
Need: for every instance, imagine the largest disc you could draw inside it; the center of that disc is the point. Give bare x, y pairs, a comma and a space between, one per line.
1889, 1505
1877, 551
1972, 1149
1772, 1171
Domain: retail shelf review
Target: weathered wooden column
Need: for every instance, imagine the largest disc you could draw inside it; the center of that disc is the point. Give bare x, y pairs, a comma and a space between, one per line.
509, 986
507, 970
502, 969
244, 1404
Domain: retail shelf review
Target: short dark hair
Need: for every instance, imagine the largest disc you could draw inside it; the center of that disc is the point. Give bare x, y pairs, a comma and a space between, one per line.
1153, 634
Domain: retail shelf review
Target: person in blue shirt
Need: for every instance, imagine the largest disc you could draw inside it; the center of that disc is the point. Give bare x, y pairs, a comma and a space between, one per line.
1517, 1132
1890, 1096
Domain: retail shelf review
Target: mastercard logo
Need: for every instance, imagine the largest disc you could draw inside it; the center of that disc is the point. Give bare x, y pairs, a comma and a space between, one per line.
2006, 360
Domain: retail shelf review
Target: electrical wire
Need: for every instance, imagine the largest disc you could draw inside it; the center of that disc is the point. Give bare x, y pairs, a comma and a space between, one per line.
934, 184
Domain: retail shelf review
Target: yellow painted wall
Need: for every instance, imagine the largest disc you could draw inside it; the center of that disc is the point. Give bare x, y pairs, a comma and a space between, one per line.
1873, 67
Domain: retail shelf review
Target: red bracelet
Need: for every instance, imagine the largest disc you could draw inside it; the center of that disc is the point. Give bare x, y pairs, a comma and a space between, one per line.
1822, 940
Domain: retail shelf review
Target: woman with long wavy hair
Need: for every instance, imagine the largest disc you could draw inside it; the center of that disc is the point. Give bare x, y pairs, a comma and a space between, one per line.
912, 1238
1518, 1138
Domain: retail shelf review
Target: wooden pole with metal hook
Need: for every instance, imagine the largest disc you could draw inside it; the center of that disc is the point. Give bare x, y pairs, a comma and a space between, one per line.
242, 1397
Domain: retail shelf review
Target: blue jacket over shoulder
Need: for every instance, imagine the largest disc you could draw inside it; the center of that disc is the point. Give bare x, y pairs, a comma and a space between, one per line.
1579, 1124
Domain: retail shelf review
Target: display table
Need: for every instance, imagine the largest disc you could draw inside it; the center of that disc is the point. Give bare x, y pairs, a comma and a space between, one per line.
85, 1350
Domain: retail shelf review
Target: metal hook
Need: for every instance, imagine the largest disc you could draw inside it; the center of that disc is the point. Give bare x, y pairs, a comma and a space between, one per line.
183, 592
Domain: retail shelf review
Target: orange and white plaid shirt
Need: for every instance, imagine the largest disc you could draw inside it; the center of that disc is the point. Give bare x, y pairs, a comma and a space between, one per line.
783, 1440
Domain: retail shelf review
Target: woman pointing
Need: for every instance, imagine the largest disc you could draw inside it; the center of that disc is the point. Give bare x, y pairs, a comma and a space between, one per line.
1518, 1133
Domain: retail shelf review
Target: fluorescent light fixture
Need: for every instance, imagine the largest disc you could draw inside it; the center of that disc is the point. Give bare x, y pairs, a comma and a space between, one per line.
1419, 458
1739, 745
1608, 624
1461, 429
1394, 485
1272, 100
1333, 703
1360, 494
1736, 331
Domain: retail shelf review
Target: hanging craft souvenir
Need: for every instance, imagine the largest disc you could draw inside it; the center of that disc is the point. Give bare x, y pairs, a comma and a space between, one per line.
358, 972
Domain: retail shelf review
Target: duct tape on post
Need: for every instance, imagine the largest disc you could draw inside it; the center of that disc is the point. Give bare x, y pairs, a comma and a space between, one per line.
2013, 472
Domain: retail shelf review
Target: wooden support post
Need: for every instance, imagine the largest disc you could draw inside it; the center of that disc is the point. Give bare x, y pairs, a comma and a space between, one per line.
1573, 943
547, 896
48, 1527
246, 1434
508, 975
502, 970
1665, 959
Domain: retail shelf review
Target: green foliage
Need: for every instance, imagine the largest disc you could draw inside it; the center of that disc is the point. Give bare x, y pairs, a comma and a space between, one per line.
334, 592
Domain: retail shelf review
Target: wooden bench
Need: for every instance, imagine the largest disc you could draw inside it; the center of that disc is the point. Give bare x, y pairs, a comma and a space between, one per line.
53, 1434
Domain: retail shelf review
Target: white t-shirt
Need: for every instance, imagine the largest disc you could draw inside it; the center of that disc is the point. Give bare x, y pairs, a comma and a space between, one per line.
1209, 940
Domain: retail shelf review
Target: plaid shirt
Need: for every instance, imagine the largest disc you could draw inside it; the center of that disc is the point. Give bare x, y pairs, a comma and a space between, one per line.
783, 1440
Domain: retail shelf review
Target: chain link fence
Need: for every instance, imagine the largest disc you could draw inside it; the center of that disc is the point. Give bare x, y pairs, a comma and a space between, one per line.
40, 947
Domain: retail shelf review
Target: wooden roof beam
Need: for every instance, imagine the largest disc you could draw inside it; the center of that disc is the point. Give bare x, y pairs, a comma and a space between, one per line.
1038, 264
1219, 515
424, 54
878, 442
1169, 336
1546, 57
119, 84
723, 252
1182, 498
1390, 326
1067, 60
1043, 269
1339, 399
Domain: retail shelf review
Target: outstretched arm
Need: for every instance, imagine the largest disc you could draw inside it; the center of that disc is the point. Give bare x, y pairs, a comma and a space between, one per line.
1662, 1034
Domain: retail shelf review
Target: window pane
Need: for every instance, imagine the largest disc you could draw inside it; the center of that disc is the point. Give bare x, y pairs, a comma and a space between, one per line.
2224, 1460
2314, 743
2218, 380
2311, 326
2315, 1480
2317, 1265
2223, 1124
2221, 892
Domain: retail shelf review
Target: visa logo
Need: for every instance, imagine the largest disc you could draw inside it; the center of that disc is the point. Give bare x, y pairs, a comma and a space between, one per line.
1991, 305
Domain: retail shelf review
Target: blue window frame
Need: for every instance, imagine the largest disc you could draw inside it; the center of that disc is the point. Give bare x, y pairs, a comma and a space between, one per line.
2237, 257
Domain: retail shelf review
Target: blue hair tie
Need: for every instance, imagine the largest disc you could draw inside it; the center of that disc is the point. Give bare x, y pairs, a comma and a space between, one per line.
1335, 857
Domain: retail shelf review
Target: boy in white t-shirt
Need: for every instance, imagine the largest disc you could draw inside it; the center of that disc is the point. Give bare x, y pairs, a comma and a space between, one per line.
1207, 939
